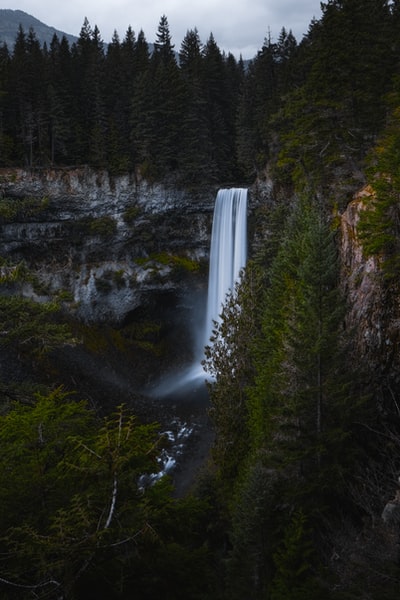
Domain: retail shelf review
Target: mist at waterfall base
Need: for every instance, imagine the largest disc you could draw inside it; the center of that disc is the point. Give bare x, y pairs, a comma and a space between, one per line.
228, 255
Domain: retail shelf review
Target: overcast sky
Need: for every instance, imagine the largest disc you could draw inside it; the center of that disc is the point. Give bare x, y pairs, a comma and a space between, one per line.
238, 26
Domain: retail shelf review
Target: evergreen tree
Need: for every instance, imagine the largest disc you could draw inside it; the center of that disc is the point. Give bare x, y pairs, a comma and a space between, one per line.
298, 407
118, 90
163, 47
257, 103
327, 124
76, 521
298, 357
195, 141
294, 578
220, 126
57, 521
228, 362
27, 89
190, 54
60, 100
166, 106
6, 139
141, 121
379, 227
89, 110
142, 53
31, 328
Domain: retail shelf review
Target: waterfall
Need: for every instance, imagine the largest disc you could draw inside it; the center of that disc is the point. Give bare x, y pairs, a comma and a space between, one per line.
228, 253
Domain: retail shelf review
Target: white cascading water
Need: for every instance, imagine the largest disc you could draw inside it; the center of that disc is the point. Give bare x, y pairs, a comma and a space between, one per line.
228, 255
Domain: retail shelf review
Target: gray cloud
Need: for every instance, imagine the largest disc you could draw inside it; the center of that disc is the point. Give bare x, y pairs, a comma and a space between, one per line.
238, 26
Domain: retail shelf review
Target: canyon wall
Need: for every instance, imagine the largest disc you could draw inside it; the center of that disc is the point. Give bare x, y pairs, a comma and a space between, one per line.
108, 247
373, 315
104, 245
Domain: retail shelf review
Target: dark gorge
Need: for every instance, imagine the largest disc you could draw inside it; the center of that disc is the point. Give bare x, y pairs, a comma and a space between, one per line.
151, 447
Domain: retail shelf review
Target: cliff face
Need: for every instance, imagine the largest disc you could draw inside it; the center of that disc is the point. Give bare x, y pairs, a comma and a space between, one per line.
113, 247
110, 246
374, 311
126, 258
105, 245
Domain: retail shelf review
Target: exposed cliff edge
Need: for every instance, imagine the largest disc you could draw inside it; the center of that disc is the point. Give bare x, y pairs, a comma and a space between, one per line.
374, 312
126, 258
111, 246
105, 244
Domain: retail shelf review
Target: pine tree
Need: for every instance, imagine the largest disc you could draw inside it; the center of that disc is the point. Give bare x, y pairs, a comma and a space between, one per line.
167, 101
294, 578
379, 226
268, 79
141, 123
228, 362
299, 409
6, 140
89, 110
118, 89
220, 127
60, 101
299, 398
195, 151
58, 521
28, 90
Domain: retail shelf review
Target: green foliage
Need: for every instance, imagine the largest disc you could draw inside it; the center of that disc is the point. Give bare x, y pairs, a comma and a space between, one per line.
11, 273
21, 209
379, 227
34, 440
74, 522
333, 107
103, 226
75, 517
65, 296
31, 327
118, 108
209, 117
283, 405
228, 362
180, 264
69, 488
131, 214
135, 337
266, 82
255, 529
294, 578
293, 401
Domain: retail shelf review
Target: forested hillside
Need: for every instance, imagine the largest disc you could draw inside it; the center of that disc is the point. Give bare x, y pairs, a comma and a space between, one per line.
300, 498
310, 108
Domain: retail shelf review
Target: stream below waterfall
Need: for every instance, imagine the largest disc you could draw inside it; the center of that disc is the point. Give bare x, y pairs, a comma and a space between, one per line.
188, 436
184, 394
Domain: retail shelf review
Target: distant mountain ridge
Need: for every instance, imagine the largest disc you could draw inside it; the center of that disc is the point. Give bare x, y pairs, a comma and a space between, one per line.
10, 20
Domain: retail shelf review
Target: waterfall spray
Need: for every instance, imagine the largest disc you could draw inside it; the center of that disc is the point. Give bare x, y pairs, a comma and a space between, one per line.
228, 255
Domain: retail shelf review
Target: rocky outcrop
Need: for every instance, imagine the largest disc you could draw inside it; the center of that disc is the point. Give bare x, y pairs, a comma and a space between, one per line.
373, 315
104, 245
